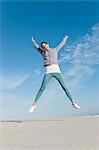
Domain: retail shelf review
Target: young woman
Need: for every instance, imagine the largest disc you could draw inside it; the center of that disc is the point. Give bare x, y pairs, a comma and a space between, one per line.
52, 69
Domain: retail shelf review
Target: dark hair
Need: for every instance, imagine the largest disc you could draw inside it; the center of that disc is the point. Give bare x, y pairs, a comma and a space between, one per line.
43, 43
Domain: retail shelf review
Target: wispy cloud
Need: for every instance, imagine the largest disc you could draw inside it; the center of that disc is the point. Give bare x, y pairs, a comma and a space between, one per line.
12, 81
37, 71
81, 56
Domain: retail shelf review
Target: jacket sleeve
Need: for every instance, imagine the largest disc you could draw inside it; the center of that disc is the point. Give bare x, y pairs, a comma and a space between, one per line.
62, 43
37, 46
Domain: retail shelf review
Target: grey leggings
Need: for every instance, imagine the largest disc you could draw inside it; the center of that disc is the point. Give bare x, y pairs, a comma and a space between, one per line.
47, 78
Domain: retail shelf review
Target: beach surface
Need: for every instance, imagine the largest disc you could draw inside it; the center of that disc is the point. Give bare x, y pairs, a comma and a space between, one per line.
70, 133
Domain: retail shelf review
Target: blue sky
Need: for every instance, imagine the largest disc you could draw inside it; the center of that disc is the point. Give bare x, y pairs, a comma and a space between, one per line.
22, 66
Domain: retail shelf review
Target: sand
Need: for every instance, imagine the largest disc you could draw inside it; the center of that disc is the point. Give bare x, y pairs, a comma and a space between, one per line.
71, 133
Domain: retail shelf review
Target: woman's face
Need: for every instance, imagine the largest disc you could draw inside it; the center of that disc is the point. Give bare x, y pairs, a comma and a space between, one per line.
45, 46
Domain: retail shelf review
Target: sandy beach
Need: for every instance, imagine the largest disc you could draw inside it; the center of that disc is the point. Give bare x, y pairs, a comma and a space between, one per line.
70, 133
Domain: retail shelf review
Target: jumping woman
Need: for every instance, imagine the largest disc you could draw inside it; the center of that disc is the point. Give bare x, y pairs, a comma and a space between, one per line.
52, 69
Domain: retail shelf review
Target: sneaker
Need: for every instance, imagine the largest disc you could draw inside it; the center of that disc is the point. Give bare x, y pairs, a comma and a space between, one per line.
75, 105
32, 108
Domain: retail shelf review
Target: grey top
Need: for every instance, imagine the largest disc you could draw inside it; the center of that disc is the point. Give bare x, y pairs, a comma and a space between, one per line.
51, 56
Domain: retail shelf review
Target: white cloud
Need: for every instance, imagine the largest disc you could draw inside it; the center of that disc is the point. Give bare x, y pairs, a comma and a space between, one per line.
11, 81
37, 71
81, 56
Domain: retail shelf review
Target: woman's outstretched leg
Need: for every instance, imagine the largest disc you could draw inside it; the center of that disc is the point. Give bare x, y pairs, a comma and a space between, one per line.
45, 81
60, 79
